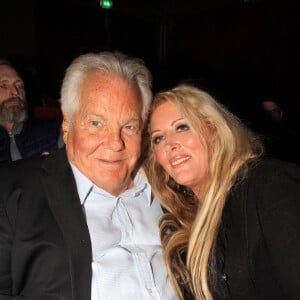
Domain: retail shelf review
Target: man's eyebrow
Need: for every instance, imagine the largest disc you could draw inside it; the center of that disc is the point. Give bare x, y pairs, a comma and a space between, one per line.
7, 80
133, 119
95, 115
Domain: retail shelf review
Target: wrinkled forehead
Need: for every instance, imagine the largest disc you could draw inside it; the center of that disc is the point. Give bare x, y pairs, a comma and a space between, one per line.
269, 105
8, 72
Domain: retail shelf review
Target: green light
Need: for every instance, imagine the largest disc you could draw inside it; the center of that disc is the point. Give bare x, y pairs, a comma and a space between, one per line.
107, 4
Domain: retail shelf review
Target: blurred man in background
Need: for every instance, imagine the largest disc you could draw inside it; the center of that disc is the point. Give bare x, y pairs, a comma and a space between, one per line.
21, 136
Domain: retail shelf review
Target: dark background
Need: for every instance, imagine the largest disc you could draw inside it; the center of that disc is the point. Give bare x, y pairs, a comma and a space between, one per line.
240, 50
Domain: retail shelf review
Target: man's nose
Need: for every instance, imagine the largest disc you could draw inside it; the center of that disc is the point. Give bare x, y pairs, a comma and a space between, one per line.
14, 91
114, 141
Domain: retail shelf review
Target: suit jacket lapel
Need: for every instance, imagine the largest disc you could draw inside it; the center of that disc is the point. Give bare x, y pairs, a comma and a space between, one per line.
60, 188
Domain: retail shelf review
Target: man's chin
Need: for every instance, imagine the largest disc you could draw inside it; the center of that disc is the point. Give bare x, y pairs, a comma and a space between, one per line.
13, 115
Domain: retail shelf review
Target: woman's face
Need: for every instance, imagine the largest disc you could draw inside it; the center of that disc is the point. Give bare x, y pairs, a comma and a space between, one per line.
177, 148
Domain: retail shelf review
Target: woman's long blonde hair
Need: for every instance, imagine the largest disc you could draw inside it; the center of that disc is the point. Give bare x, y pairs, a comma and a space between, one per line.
190, 228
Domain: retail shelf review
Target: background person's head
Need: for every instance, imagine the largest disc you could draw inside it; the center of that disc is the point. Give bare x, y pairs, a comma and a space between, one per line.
272, 109
105, 100
13, 106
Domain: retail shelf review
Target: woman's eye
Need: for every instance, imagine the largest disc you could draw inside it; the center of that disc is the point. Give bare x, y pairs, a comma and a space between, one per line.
182, 127
157, 139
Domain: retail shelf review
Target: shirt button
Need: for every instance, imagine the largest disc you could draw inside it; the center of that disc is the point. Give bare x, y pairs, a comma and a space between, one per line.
149, 291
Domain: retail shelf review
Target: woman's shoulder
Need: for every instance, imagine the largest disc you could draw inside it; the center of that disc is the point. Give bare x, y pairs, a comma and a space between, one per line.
272, 181
267, 168
269, 180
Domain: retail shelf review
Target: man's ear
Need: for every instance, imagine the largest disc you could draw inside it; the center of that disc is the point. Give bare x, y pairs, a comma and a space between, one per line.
65, 127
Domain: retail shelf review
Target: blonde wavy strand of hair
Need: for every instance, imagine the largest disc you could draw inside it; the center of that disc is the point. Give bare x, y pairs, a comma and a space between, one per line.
195, 222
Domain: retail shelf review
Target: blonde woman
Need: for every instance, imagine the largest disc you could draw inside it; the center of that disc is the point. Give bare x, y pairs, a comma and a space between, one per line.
232, 226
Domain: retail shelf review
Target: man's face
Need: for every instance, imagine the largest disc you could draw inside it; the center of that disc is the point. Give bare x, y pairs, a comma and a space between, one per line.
104, 137
274, 111
13, 107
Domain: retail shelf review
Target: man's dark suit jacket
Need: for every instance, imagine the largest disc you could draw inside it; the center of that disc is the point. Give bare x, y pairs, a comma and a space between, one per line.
37, 136
45, 248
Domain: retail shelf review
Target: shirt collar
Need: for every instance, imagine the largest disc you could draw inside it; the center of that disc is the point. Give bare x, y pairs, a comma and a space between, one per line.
85, 186
17, 128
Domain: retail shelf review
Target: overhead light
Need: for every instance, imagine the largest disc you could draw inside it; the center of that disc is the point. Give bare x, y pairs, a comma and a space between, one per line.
106, 4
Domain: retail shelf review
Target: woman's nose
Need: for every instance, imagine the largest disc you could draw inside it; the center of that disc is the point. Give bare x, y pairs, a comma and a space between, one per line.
172, 143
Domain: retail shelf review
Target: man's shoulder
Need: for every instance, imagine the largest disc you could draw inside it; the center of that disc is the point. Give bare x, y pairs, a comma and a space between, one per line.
44, 133
21, 170
42, 124
35, 165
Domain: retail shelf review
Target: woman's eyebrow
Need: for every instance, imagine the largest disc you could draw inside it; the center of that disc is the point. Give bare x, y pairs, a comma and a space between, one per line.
176, 121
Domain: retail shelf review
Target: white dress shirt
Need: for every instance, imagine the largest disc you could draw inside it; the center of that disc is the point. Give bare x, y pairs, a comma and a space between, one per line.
127, 259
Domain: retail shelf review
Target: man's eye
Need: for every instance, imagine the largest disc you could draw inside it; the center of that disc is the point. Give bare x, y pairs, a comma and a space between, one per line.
130, 128
3, 86
20, 86
95, 123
